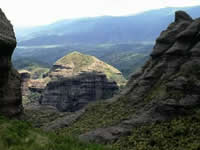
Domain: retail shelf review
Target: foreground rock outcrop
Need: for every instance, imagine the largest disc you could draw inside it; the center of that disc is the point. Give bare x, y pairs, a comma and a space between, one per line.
167, 86
10, 93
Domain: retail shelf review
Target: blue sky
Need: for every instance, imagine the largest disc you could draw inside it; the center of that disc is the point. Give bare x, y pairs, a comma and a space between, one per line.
40, 12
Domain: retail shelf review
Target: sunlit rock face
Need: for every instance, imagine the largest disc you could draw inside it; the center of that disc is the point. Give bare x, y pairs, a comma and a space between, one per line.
10, 92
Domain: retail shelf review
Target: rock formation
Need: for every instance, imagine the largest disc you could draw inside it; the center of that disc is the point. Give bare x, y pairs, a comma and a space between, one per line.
73, 93
31, 88
76, 63
167, 86
25, 77
77, 79
10, 93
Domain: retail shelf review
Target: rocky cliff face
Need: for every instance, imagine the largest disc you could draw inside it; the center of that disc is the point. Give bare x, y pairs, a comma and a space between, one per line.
25, 77
167, 86
77, 79
31, 88
10, 93
73, 93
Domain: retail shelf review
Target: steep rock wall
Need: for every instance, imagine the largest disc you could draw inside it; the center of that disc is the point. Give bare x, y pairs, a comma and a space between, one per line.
167, 86
73, 93
10, 92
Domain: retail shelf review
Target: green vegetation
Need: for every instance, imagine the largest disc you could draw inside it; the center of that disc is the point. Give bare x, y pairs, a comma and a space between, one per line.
158, 91
113, 76
37, 71
25, 100
80, 62
182, 133
126, 57
33, 96
191, 69
19, 135
102, 114
28, 63
127, 62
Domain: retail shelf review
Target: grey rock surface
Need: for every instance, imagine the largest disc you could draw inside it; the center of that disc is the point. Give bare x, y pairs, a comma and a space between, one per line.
167, 86
10, 92
73, 93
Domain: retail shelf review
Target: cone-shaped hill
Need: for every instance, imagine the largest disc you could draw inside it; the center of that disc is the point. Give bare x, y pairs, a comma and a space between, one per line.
76, 63
77, 79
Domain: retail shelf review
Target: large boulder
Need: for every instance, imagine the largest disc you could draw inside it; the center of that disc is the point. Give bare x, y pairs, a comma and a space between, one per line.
10, 92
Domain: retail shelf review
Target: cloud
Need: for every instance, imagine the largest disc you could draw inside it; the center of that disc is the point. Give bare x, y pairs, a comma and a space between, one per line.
38, 12
181, 3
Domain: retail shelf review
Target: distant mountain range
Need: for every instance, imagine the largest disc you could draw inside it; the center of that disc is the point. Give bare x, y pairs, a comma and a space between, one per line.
123, 42
144, 26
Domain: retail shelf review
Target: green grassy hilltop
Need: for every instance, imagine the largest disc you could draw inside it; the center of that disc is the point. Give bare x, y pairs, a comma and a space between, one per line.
79, 62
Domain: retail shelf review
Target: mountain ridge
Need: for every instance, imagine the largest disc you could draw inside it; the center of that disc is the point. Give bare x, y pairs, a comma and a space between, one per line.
82, 30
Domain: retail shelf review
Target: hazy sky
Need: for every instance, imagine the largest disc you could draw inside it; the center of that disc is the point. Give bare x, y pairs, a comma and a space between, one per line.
38, 12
